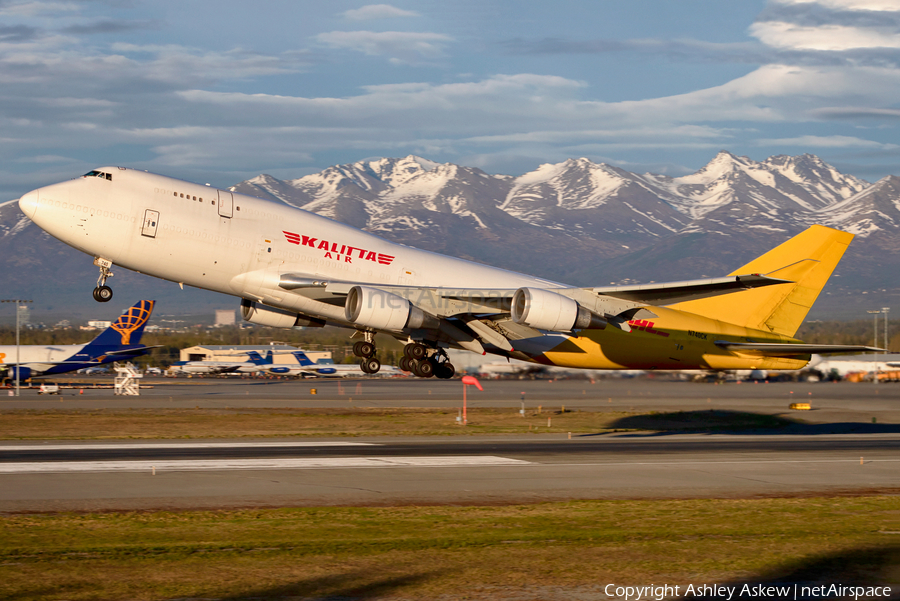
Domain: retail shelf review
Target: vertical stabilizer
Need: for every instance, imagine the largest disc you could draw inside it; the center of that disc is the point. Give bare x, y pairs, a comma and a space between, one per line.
302, 359
129, 328
808, 260
257, 359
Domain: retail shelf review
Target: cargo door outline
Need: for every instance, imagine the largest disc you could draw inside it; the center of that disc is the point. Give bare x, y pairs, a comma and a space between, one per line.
151, 222
226, 204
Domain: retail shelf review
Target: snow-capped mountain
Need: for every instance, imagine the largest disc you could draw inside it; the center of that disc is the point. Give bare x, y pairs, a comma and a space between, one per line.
575, 221
580, 198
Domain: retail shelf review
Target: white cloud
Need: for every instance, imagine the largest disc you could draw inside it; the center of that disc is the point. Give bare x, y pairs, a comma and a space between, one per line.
377, 11
826, 142
877, 5
780, 34
34, 9
399, 46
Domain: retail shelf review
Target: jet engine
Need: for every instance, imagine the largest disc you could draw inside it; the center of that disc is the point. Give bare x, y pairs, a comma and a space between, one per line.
382, 310
545, 310
24, 372
277, 318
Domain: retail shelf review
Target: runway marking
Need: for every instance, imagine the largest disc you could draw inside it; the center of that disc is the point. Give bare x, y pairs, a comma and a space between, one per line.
303, 463
180, 445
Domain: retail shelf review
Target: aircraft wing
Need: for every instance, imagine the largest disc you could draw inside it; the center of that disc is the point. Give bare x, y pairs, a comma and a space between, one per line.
788, 349
677, 292
472, 317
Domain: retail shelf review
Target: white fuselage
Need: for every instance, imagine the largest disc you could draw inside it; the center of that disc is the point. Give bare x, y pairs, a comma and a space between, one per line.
235, 244
217, 367
32, 353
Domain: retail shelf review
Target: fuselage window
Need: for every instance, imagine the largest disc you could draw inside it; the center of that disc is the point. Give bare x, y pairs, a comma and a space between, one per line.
182, 195
176, 194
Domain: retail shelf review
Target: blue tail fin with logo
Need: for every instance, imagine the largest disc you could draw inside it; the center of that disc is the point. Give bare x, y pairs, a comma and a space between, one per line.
128, 329
302, 359
257, 359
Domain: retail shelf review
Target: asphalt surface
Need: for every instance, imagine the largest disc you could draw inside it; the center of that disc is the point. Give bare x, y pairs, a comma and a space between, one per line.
850, 444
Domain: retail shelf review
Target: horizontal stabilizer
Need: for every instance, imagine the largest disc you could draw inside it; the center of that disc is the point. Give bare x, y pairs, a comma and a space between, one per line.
134, 351
679, 292
787, 349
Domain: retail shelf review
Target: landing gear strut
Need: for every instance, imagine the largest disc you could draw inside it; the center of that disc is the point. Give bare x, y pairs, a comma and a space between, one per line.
365, 349
103, 293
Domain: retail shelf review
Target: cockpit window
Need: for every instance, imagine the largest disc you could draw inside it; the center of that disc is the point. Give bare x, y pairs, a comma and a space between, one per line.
99, 174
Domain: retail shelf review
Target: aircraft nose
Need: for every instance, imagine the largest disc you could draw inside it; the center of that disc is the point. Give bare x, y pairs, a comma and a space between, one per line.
29, 203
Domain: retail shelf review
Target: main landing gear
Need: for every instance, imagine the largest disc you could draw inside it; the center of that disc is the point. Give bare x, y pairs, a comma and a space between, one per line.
103, 293
365, 349
416, 359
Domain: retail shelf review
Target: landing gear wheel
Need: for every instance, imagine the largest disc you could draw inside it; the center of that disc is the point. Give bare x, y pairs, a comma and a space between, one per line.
366, 349
405, 363
424, 368
370, 365
103, 294
444, 371
415, 351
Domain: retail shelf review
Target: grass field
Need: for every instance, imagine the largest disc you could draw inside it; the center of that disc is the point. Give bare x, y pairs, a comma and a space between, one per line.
554, 550
234, 423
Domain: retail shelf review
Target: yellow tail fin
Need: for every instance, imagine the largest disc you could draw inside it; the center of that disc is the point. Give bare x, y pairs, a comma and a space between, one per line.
807, 260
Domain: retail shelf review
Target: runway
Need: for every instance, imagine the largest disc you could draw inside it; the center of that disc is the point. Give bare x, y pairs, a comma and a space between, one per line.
224, 474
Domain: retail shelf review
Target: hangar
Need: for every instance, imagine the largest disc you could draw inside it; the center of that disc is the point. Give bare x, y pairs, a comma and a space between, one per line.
281, 353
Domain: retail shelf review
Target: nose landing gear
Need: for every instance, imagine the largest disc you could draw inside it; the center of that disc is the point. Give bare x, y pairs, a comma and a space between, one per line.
103, 293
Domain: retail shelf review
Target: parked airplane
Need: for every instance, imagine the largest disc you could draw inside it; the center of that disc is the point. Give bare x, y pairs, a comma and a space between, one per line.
118, 342
293, 268
254, 364
323, 368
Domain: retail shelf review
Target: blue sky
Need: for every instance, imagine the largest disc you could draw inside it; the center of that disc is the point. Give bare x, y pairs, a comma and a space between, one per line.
221, 91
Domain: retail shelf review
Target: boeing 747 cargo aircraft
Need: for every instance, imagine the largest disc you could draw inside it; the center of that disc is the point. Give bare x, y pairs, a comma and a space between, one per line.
293, 268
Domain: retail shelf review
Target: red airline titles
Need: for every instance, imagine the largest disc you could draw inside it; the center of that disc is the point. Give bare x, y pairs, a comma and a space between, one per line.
333, 252
646, 326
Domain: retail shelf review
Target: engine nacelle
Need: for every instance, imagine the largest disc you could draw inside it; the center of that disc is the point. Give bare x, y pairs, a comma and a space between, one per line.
546, 310
382, 310
24, 372
277, 318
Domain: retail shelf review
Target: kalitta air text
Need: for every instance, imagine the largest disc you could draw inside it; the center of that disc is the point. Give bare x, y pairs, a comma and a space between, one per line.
342, 253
